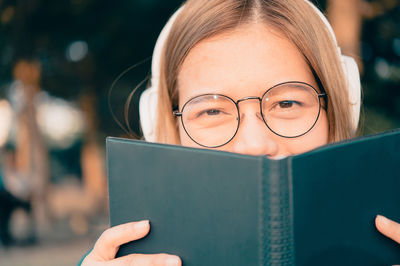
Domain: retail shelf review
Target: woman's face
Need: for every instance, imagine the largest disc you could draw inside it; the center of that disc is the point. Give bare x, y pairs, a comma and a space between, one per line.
246, 62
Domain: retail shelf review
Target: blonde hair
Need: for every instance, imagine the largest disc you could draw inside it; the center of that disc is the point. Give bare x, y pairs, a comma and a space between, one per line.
201, 19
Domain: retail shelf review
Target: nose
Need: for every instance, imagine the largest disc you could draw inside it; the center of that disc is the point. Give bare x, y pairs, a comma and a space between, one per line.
253, 136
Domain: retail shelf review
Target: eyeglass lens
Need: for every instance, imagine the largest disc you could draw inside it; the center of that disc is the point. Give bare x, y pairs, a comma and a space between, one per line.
289, 110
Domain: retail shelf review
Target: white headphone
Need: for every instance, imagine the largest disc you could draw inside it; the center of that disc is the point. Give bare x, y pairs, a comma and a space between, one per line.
149, 98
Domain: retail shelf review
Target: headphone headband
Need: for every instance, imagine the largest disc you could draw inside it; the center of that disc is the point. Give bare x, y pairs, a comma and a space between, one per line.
149, 98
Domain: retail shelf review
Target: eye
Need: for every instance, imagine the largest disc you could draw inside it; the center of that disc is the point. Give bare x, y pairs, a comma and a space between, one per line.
286, 104
209, 112
213, 112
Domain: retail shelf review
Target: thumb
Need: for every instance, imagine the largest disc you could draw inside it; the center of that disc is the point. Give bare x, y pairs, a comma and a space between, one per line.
108, 244
388, 227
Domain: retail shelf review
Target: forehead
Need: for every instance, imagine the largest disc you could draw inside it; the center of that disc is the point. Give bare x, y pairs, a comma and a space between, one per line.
243, 62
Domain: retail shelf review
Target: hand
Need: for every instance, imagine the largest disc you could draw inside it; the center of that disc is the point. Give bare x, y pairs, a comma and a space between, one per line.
107, 245
388, 227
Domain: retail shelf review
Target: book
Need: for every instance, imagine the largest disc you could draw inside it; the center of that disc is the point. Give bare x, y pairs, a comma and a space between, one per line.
218, 208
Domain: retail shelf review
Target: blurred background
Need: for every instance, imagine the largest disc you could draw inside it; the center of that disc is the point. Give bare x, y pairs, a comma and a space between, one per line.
58, 61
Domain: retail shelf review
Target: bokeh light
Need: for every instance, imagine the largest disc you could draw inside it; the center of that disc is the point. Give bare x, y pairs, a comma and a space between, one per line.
76, 51
59, 121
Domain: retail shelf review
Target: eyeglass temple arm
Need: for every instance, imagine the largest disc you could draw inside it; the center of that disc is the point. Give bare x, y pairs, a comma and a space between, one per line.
325, 97
176, 113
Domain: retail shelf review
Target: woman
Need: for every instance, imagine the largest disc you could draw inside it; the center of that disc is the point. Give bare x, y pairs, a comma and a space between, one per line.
253, 77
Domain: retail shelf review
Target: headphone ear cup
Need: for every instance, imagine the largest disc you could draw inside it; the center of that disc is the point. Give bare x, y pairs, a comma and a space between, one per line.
352, 74
149, 98
147, 111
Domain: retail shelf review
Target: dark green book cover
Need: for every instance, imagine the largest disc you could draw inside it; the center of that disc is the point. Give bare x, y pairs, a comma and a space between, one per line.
218, 208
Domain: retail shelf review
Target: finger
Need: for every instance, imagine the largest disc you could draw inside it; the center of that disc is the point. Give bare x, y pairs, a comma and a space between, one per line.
147, 260
107, 245
388, 227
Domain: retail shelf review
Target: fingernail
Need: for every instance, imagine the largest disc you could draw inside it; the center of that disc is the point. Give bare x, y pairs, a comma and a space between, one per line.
382, 219
141, 225
173, 261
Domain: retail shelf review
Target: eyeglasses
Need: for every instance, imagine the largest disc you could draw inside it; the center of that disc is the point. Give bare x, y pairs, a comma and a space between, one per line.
289, 109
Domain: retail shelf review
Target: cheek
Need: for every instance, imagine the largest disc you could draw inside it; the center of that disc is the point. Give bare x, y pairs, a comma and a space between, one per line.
322, 129
185, 140
317, 137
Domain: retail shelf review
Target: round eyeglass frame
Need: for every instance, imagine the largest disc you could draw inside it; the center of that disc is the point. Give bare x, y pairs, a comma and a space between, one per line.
178, 113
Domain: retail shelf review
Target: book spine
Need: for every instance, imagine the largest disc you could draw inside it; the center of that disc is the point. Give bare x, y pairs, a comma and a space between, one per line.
277, 243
